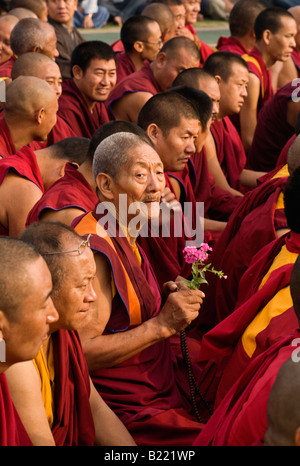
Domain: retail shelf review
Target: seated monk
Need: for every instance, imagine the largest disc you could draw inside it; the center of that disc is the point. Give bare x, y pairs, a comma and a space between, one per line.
241, 418
7, 23
82, 103
75, 193
41, 66
164, 17
127, 344
29, 114
241, 26
25, 302
141, 37
29, 35
231, 72
26, 175
129, 96
53, 394
291, 67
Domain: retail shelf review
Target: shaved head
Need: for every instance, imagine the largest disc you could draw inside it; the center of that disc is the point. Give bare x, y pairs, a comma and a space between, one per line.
293, 158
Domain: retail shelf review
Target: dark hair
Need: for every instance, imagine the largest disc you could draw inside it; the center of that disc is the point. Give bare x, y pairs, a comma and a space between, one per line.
135, 28
221, 63
172, 46
200, 100
190, 76
112, 127
87, 51
270, 18
168, 2
292, 201
243, 15
74, 149
166, 110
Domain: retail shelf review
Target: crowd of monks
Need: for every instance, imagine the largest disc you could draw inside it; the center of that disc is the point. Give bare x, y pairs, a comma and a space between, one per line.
104, 341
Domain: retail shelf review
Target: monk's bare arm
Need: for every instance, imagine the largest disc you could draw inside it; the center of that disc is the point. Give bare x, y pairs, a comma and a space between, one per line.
180, 309
25, 390
129, 105
108, 427
18, 195
248, 114
249, 178
65, 216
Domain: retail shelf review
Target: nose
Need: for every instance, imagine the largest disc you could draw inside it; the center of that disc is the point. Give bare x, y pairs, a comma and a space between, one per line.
190, 148
293, 42
56, 53
155, 183
244, 91
90, 296
57, 89
52, 314
105, 79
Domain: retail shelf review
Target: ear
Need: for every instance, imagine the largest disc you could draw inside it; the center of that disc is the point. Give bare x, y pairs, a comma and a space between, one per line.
105, 185
138, 46
77, 72
266, 36
2, 324
153, 132
39, 115
218, 78
161, 59
297, 437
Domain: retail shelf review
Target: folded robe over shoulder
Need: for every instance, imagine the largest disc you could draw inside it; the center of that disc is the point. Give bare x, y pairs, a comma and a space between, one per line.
231, 44
143, 390
125, 66
72, 190
74, 110
7, 145
12, 431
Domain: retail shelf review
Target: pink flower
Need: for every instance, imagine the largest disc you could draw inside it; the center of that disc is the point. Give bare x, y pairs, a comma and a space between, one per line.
205, 247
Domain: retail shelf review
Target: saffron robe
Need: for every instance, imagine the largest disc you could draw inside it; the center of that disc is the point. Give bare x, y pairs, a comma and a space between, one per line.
23, 163
230, 151
272, 131
264, 315
6, 67
72, 190
125, 66
254, 222
241, 418
141, 81
143, 390
74, 110
73, 423
12, 431
231, 44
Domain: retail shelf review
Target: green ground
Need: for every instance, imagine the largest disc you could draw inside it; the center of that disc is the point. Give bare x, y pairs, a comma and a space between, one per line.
208, 30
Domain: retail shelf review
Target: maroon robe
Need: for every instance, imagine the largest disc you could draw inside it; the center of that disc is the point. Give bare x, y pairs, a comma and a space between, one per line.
74, 110
254, 223
143, 390
141, 81
205, 49
12, 431
272, 131
230, 151
72, 190
223, 354
73, 423
296, 59
241, 418
6, 67
117, 46
231, 44
282, 159
7, 145
125, 66
24, 164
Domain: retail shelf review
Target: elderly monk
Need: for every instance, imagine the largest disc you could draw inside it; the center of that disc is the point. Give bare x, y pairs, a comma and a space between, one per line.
75, 193
127, 343
29, 114
53, 394
26, 175
7, 23
30, 35
129, 96
25, 302
43, 67
275, 30
82, 103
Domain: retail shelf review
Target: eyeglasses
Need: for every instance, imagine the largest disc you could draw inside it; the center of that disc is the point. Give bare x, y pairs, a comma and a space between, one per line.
67, 2
79, 250
160, 42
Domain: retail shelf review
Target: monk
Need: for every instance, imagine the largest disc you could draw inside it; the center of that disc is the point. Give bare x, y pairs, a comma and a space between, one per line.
26, 175
75, 193
25, 303
241, 26
82, 103
71, 413
291, 67
60, 16
129, 96
164, 17
276, 125
30, 35
127, 347
7, 23
275, 31
41, 66
29, 114
142, 40
231, 72
241, 418
178, 10
39, 7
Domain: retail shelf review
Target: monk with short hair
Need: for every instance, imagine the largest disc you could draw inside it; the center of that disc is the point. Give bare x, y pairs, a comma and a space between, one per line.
7, 23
